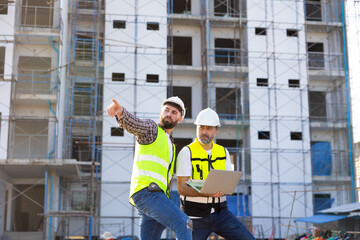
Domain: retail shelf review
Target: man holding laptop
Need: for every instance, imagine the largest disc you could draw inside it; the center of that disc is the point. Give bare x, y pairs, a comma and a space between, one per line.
208, 211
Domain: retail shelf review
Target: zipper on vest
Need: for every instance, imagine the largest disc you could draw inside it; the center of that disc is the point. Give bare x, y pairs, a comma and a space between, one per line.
167, 175
209, 161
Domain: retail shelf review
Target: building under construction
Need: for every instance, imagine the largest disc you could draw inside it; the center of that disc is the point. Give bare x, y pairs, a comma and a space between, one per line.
276, 71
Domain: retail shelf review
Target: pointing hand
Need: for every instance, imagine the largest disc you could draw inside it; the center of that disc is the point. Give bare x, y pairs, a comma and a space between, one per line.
114, 109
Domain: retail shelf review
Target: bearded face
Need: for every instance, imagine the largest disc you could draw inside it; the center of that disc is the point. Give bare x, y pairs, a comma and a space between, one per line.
169, 117
206, 134
168, 123
206, 139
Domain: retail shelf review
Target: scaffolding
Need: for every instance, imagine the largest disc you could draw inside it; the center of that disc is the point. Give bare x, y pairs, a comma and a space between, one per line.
84, 101
211, 62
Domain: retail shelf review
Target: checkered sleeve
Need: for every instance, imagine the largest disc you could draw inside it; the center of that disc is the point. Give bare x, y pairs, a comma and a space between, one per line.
145, 130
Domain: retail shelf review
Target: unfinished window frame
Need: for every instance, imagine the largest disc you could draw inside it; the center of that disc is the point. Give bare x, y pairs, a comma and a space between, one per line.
181, 7
178, 55
292, 32
2, 61
227, 52
264, 135
313, 10
36, 15
153, 26
316, 55
180, 143
262, 82
228, 102
116, 132
317, 106
294, 83
152, 78
234, 147
119, 24
296, 136
326, 196
4, 7
33, 76
118, 77
260, 31
222, 8
30, 139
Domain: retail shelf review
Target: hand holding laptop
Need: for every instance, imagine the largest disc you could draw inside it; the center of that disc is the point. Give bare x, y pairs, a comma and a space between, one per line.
217, 181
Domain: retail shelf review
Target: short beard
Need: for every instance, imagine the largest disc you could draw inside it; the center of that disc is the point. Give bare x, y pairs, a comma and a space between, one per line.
168, 125
205, 141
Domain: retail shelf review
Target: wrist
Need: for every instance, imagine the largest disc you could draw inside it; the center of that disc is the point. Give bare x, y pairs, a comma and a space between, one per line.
119, 112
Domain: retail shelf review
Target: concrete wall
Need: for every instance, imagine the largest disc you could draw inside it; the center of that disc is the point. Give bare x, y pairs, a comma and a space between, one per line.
7, 41
352, 14
279, 166
135, 94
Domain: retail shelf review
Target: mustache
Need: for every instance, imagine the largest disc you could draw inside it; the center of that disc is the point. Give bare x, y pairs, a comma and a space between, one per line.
204, 135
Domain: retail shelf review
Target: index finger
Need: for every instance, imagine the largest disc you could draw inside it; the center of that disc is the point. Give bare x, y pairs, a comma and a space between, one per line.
114, 101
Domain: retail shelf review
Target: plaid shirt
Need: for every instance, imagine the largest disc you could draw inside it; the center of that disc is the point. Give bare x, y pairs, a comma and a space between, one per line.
145, 130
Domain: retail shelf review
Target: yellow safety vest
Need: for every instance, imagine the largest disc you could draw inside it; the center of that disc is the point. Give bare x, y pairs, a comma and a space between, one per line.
201, 162
151, 164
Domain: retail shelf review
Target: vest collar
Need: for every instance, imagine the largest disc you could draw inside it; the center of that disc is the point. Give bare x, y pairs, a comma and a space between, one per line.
170, 135
197, 142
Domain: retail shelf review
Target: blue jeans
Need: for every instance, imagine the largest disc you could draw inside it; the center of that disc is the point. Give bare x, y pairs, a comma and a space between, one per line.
223, 223
158, 212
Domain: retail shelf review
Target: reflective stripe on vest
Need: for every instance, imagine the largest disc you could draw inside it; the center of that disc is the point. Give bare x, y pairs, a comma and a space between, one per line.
151, 164
200, 159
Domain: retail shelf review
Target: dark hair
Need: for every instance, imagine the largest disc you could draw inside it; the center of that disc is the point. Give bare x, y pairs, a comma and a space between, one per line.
174, 105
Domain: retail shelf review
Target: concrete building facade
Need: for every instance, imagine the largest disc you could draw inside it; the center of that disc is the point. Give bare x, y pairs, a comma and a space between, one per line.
276, 72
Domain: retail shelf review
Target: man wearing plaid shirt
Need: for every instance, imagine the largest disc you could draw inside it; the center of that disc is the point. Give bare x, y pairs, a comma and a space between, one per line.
153, 169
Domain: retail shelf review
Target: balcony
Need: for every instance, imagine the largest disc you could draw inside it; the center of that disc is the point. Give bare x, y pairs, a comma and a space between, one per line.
38, 18
223, 13
320, 11
330, 165
228, 61
30, 139
322, 15
322, 65
34, 84
326, 115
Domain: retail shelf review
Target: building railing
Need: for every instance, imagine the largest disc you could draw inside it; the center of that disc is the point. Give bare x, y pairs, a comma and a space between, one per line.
327, 112
90, 4
228, 57
34, 82
88, 48
232, 8
30, 146
39, 17
85, 49
335, 163
82, 105
320, 11
325, 61
221, 8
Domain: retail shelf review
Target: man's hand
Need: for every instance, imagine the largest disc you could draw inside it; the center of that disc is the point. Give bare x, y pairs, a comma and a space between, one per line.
217, 194
114, 109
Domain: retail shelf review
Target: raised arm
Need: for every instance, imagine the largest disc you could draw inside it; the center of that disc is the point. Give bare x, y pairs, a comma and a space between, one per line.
144, 129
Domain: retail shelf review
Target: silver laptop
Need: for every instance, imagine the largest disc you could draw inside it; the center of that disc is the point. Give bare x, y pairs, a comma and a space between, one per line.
217, 181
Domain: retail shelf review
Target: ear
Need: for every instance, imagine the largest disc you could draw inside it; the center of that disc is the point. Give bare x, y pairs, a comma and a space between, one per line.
180, 119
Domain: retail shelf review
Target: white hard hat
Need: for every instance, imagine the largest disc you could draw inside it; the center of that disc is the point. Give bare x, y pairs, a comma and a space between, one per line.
106, 235
177, 101
207, 117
